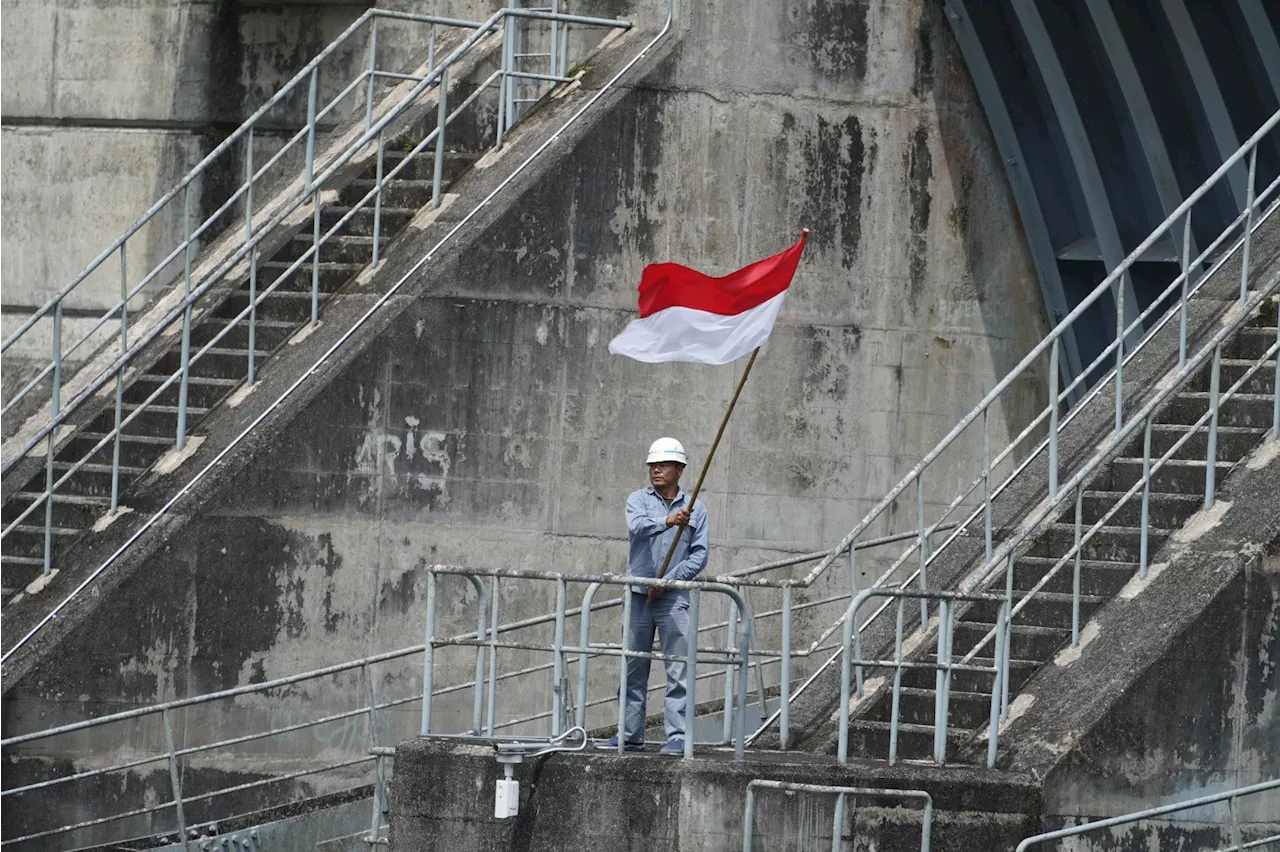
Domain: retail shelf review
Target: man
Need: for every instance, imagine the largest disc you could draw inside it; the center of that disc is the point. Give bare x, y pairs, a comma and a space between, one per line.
655, 515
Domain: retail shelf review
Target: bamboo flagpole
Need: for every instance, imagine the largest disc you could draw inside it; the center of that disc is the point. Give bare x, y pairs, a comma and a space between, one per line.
706, 465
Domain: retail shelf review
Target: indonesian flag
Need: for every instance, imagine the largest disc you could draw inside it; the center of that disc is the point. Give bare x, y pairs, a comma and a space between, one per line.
688, 316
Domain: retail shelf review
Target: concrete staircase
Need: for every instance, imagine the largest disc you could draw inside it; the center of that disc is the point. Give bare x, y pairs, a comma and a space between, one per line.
86, 496
1110, 559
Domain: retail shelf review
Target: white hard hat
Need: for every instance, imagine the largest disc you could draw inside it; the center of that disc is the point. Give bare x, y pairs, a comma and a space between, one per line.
666, 450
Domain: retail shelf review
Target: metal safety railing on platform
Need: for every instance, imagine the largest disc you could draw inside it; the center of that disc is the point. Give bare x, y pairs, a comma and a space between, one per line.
373, 105
842, 794
1237, 843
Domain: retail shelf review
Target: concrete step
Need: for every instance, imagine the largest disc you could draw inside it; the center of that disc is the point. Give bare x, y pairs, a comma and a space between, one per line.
1250, 342
1234, 442
340, 248
422, 166
1252, 410
155, 420
284, 306
334, 275
69, 510
1029, 642
267, 333
17, 572
393, 220
967, 710
1044, 608
1020, 671
1166, 510
202, 392
413, 194
1176, 476
870, 739
27, 539
94, 479
216, 363
1096, 577
1262, 381
135, 450
1108, 544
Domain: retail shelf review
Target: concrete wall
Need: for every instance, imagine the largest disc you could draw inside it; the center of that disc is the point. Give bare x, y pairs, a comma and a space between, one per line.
489, 427
1203, 720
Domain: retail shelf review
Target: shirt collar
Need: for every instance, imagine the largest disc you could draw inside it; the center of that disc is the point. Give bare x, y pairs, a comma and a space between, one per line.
681, 494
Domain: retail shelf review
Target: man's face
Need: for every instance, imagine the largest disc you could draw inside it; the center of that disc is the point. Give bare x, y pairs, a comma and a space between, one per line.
664, 474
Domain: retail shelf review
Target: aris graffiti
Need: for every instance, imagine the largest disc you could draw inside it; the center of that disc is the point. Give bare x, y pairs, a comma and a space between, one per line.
410, 463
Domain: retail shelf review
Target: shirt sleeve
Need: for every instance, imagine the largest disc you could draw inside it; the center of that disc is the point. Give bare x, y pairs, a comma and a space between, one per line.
638, 521
693, 563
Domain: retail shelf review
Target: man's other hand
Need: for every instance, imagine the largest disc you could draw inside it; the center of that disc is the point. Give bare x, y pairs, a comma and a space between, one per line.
655, 593
679, 518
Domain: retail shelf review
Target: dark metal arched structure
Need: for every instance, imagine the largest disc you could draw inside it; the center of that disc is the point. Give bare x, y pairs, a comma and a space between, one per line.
1107, 114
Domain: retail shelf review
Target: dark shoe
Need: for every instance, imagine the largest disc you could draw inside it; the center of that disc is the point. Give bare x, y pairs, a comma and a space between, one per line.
673, 748
611, 744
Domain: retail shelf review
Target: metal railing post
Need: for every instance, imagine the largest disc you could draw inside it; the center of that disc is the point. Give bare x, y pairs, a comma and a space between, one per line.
311, 127
175, 783
504, 82
124, 351
584, 658
1248, 225
1075, 573
1144, 525
997, 659
748, 819
429, 656
559, 685
373, 72
378, 780
941, 678
315, 258
1182, 301
837, 823
1275, 383
691, 673
1121, 286
784, 676
1211, 454
56, 405
183, 389
729, 671
846, 662
442, 115
495, 603
377, 202
986, 481
922, 553
1053, 415
897, 687
253, 257
744, 675
627, 594
477, 689
431, 50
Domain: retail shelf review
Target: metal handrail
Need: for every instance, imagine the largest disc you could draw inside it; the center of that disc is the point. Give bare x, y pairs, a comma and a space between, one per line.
837, 821
309, 191
1232, 796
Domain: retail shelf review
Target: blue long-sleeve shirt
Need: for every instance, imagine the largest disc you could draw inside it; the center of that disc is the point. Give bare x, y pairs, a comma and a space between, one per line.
651, 537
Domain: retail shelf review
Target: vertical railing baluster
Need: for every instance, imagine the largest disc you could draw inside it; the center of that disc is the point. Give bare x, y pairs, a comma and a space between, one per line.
691, 673
943, 660
429, 656
442, 114
1075, 573
627, 595
1182, 301
897, 686
1053, 417
311, 127
495, 602
175, 782
1143, 523
729, 672
1248, 226
986, 481
183, 383
1120, 325
253, 257
1211, 454
477, 688
315, 258
846, 663
52, 439
784, 677
124, 350
922, 555
377, 201
558, 688
373, 72
1275, 381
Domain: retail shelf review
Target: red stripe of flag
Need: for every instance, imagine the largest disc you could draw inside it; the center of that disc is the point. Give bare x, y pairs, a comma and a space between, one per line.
668, 285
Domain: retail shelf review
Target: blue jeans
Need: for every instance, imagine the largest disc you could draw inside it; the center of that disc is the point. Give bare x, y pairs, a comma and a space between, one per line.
669, 616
